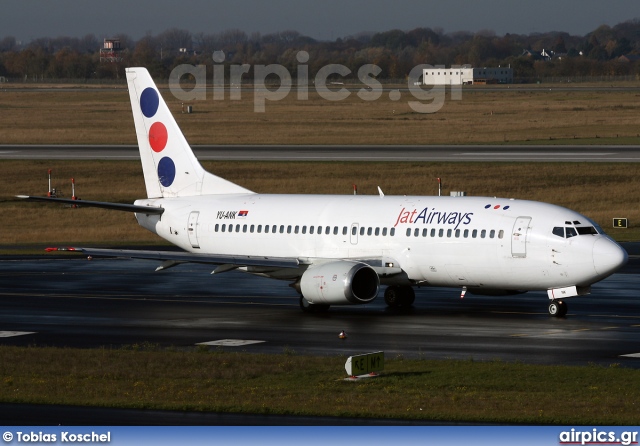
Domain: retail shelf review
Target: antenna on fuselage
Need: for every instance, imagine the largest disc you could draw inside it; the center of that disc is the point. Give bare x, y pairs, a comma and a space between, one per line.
439, 187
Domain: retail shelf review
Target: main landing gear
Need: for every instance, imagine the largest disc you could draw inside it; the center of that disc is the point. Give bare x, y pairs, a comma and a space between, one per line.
557, 308
399, 296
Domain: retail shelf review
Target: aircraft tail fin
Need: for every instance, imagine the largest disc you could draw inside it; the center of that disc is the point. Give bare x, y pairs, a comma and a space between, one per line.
169, 165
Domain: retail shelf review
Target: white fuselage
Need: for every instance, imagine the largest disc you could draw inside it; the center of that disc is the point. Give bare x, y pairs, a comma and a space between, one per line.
475, 242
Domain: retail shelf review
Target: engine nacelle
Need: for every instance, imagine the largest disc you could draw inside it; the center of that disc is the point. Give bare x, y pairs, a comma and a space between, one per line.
340, 283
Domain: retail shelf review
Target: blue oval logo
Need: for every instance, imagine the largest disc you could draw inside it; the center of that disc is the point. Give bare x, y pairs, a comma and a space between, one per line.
166, 171
149, 101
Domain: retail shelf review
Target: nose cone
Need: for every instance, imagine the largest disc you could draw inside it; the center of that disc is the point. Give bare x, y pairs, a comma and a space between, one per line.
608, 256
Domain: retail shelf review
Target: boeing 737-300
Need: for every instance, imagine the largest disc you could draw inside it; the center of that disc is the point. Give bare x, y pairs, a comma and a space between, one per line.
339, 250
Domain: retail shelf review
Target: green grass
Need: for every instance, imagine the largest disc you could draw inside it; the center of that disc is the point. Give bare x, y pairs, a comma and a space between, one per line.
211, 380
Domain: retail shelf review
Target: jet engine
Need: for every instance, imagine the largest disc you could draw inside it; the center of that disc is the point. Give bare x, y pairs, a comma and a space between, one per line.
339, 283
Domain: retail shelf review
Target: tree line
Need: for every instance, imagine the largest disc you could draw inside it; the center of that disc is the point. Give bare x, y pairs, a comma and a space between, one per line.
396, 52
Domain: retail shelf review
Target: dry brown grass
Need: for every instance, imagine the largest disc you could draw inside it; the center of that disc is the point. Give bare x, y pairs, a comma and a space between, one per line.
482, 116
601, 191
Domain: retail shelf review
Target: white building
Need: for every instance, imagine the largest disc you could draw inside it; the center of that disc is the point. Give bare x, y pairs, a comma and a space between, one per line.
466, 76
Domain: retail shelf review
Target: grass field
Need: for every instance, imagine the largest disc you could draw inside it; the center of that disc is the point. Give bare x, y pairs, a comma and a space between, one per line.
210, 380
601, 115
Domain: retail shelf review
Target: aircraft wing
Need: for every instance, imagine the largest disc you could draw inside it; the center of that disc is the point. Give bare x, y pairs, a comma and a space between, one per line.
150, 210
172, 258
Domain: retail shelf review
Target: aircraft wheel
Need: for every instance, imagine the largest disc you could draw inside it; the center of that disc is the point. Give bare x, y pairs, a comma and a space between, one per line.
399, 296
557, 308
408, 296
392, 296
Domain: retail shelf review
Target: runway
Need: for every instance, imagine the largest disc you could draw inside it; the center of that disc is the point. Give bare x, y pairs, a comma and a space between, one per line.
88, 304
433, 153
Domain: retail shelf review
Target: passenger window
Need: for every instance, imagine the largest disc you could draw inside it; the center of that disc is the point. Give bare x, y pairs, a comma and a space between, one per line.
224, 227
449, 232
327, 230
474, 233
281, 229
492, 234
216, 228
344, 230
392, 232
311, 228
377, 232
274, 228
466, 233
354, 230
433, 232
416, 232
362, 230
304, 229
424, 232
266, 229
259, 229
335, 230
244, 228
500, 233
408, 232
237, 228
230, 228
457, 233
251, 228
571, 232
289, 229
384, 232
483, 233
296, 229
441, 233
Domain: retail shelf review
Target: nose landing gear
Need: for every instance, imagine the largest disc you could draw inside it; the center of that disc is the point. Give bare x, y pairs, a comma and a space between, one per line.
557, 308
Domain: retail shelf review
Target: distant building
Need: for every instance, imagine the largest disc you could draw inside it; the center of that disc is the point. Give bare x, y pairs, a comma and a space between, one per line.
111, 51
629, 58
467, 76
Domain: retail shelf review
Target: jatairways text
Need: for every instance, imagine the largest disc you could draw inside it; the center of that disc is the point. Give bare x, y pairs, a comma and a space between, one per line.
432, 216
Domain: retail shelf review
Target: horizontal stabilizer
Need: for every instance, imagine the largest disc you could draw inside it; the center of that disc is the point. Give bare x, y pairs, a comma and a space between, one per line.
149, 210
179, 256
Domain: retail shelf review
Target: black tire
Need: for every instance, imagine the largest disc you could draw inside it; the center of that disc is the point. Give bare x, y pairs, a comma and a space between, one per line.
399, 296
408, 296
392, 296
563, 308
557, 308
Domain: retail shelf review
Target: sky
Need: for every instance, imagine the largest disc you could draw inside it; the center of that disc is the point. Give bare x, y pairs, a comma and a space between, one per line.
322, 20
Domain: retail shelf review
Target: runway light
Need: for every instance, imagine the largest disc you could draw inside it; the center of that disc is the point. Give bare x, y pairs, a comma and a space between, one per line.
342, 335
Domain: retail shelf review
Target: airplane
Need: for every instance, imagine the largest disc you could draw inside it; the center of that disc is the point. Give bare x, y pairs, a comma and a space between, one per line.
339, 249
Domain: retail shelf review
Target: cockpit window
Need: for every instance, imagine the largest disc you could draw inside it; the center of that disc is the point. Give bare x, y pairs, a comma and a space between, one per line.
587, 230
571, 231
